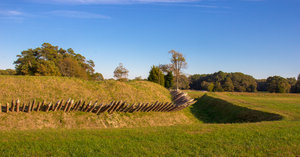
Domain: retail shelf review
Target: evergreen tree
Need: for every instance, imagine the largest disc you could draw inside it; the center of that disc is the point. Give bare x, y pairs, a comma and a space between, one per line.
169, 80
156, 75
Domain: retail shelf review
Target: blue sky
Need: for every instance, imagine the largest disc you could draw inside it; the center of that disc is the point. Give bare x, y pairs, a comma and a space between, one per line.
257, 37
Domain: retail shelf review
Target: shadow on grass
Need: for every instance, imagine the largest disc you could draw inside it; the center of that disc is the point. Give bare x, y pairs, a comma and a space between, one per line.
213, 110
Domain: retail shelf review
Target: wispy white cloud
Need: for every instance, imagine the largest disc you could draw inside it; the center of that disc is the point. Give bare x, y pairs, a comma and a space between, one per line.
10, 13
78, 14
12, 16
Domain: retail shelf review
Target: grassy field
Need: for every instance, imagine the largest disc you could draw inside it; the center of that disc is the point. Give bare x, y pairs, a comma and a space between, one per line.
219, 124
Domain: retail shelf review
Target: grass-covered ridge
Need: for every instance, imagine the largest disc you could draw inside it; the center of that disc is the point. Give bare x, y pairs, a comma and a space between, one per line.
27, 88
195, 137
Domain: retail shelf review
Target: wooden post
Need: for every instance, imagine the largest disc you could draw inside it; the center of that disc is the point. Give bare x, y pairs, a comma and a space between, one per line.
17, 105
120, 106
60, 105
70, 105
12, 106
164, 106
92, 107
153, 107
157, 107
144, 108
112, 105
135, 108
115, 105
124, 108
160, 107
150, 108
104, 107
38, 107
74, 106
82, 106
23, 107
29, 107
140, 107
128, 108
32, 105
99, 109
7, 107
87, 107
66, 105
168, 107
172, 108
78, 105
48, 106
56, 106
108, 106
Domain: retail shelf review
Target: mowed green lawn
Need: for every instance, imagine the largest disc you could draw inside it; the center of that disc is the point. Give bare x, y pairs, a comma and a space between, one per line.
220, 128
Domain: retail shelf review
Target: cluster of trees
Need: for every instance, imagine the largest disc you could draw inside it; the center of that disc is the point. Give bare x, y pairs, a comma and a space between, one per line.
50, 60
163, 74
8, 72
156, 75
278, 84
221, 81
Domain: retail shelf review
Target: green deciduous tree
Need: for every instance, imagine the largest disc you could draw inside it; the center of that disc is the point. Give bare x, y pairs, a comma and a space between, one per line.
218, 87
277, 84
228, 85
178, 63
183, 82
211, 87
50, 60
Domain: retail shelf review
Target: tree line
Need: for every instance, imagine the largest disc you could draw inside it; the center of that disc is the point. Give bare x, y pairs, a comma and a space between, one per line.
49, 60
220, 82
239, 82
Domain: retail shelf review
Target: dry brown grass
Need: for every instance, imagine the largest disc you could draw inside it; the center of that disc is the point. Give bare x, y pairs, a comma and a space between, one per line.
27, 88
79, 120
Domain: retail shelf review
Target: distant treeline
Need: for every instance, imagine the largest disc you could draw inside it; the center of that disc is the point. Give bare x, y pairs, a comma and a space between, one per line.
239, 82
49, 60
221, 81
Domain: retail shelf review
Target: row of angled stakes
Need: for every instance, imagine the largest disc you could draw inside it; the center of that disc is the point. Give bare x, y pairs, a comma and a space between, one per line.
182, 99
71, 105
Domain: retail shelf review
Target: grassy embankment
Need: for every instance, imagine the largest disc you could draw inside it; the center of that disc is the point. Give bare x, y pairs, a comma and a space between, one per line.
57, 88
218, 126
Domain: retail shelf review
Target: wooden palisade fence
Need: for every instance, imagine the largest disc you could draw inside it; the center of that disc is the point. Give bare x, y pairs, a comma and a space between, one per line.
180, 101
